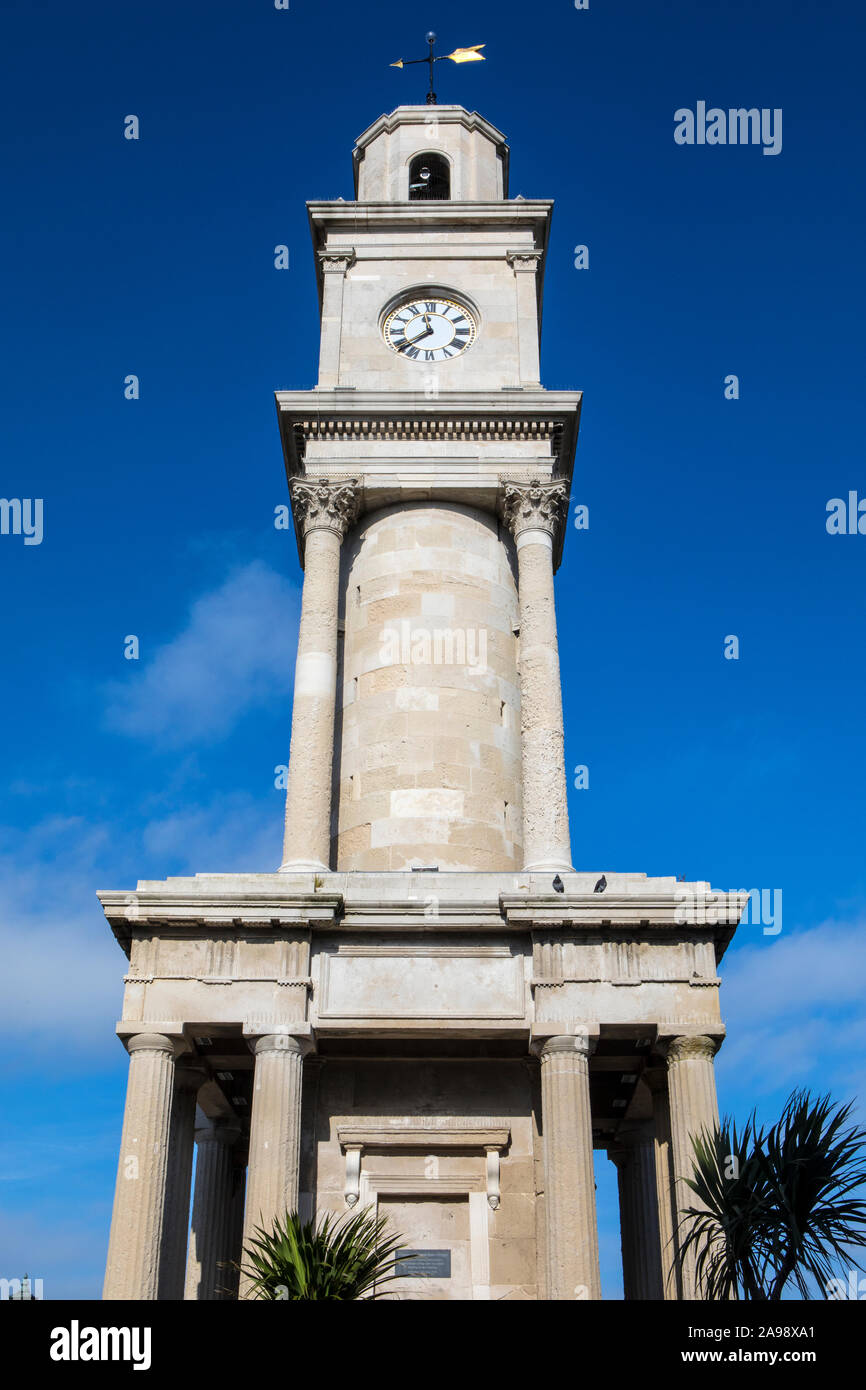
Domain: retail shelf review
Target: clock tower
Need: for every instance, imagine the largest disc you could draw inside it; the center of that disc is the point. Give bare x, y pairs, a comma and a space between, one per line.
425, 1011
450, 466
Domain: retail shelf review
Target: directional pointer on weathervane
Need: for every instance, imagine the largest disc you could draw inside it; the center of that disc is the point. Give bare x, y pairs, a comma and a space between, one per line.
460, 55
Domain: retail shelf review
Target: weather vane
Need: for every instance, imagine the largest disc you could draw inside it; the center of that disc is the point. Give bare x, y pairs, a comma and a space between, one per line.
460, 55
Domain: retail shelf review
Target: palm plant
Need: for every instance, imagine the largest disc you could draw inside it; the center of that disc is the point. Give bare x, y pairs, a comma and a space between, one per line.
337, 1257
775, 1206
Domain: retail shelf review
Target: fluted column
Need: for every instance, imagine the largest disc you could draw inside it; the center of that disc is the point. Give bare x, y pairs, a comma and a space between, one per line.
208, 1278
569, 1179
324, 512
187, 1080
236, 1222
657, 1081
132, 1270
275, 1133
534, 513
634, 1156
693, 1108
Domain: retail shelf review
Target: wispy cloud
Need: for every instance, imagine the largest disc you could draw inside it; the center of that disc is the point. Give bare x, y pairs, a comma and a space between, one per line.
62, 973
233, 834
795, 1009
235, 654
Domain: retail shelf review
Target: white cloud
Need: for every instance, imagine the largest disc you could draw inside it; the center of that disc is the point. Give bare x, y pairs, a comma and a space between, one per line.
795, 1010
235, 654
61, 985
234, 834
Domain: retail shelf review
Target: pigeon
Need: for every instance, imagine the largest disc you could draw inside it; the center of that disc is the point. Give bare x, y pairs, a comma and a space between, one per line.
601, 885
558, 885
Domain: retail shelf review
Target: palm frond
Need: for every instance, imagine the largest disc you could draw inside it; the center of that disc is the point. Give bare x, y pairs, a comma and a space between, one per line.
784, 1211
341, 1258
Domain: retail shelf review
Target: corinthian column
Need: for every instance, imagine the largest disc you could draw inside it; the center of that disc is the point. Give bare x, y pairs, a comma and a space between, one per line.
569, 1180
210, 1246
132, 1270
275, 1133
534, 512
324, 512
693, 1108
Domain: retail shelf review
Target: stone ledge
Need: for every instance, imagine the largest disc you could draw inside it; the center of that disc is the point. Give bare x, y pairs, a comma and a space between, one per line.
448, 1136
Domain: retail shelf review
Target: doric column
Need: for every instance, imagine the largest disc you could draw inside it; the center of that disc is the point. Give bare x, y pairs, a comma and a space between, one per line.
657, 1082
569, 1180
534, 513
324, 512
634, 1155
525, 266
275, 1132
132, 1270
693, 1108
187, 1080
334, 266
208, 1277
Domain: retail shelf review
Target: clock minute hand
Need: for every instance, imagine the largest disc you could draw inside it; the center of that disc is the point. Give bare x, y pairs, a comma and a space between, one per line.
410, 342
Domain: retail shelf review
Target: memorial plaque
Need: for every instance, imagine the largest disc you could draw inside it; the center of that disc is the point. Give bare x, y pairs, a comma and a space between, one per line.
423, 1264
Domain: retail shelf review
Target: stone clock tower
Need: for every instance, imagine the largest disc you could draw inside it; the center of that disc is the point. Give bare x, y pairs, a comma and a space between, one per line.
427, 1010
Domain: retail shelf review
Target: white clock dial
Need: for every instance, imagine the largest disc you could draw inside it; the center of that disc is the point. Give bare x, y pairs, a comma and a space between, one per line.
430, 329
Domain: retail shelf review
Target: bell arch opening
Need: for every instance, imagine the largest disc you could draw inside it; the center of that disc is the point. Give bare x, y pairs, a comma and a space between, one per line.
429, 178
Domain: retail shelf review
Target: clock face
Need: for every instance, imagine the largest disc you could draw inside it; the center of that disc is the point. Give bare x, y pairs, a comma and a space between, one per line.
430, 330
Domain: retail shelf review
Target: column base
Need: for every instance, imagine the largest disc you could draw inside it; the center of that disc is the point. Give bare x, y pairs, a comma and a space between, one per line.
549, 866
304, 866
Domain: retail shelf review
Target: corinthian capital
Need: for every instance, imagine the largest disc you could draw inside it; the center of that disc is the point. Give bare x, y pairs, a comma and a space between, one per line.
324, 506
534, 506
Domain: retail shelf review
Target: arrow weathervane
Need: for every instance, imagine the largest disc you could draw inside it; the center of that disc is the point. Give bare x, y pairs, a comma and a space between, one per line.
460, 55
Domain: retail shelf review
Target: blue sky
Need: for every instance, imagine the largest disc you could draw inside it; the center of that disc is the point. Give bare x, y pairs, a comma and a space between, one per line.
707, 516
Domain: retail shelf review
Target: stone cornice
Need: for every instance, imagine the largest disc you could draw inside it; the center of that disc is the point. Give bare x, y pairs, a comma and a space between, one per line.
263, 904
449, 213
451, 114
452, 1134
531, 414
